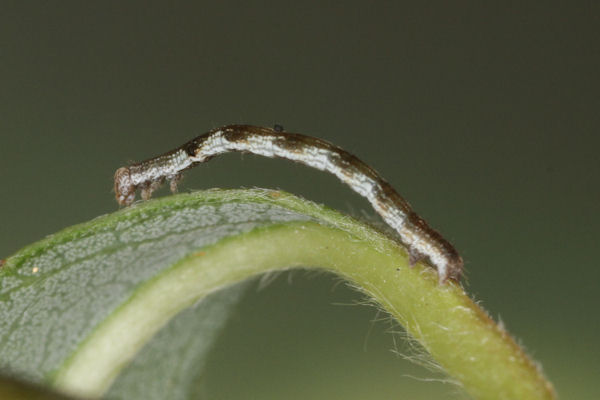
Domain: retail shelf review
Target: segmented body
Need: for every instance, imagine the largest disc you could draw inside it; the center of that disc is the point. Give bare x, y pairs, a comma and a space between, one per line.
423, 242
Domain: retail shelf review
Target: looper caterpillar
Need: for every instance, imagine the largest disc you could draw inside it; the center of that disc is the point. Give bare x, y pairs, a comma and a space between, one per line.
423, 242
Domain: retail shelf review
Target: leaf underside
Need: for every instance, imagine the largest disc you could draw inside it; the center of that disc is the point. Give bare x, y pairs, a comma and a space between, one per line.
92, 310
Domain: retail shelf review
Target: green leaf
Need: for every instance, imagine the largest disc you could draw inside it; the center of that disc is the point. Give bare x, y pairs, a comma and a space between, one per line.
171, 365
79, 306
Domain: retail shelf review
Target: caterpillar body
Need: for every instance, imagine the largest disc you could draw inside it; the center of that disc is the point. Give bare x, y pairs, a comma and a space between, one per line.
422, 241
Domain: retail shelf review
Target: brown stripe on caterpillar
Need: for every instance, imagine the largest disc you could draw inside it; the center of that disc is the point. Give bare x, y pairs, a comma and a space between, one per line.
422, 242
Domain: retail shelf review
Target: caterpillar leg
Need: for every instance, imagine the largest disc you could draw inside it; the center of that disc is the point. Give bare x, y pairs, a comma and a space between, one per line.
174, 181
149, 188
414, 257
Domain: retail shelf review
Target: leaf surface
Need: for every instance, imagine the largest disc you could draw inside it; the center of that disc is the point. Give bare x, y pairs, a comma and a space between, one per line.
128, 304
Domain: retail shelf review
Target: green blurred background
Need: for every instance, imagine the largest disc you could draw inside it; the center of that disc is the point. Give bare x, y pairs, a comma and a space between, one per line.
484, 116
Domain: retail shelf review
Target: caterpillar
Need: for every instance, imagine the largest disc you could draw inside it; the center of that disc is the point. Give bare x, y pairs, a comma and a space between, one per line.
423, 242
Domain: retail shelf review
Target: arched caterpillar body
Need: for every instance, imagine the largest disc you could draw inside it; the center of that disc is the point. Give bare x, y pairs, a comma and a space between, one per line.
423, 242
